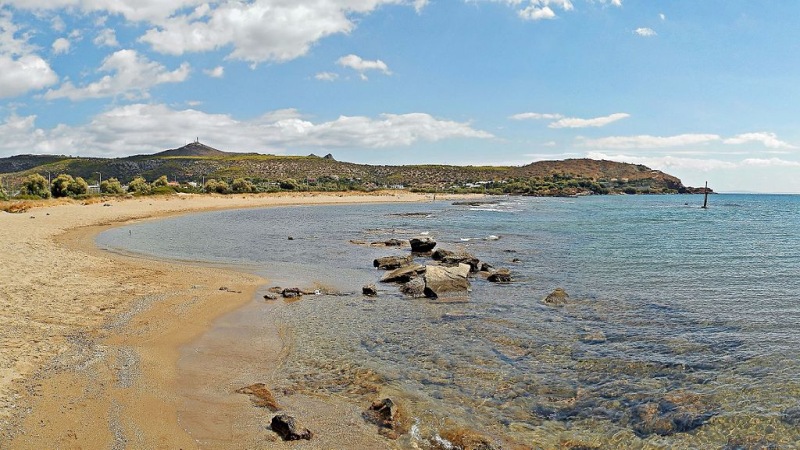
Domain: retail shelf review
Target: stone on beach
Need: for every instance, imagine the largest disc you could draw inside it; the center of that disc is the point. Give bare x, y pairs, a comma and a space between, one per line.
422, 244
556, 298
446, 281
289, 429
292, 293
403, 274
392, 262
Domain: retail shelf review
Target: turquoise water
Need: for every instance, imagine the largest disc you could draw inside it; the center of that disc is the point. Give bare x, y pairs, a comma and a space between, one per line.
681, 330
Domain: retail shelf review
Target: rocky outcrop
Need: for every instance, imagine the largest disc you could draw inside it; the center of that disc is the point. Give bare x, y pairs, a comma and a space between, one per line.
440, 254
392, 262
403, 274
289, 429
422, 245
558, 297
446, 281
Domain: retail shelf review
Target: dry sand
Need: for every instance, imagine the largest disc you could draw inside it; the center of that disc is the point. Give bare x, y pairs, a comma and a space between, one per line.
90, 341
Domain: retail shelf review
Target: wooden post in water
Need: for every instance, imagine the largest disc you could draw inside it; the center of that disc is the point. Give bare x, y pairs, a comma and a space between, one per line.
705, 199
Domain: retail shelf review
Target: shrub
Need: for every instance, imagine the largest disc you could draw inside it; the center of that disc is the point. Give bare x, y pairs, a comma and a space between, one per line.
60, 186
162, 181
220, 187
289, 184
35, 185
240, 185
3, 195
78, 186
139, 186
111, 186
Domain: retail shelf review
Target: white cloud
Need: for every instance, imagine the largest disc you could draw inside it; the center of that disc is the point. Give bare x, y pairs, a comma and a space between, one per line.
134, 10
535, 10
106, 38
132, 75
326, 76
647, 141
136, 128
645, 32
24, 74
261, 30
572, 122
662, 16
536, 116
216, 72
61, 46
361, 65
769, 140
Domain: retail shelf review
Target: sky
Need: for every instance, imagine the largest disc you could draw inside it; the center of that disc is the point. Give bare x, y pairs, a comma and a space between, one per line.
704, 90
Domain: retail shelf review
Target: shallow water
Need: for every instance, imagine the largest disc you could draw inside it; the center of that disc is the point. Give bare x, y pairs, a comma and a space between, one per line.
681, 330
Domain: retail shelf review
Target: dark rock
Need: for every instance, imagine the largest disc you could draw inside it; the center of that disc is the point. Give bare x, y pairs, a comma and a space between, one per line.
392, 262
476, 202
791, 416
288, 429
260, 395
369, 290
292, 293
450, 281
441, 253
291, 238
516, 260
329, 156
556, 298
403, 274
500, 276
486, 267
388, 243
462, 258
422, 245
384, 412
270, 296
414, 288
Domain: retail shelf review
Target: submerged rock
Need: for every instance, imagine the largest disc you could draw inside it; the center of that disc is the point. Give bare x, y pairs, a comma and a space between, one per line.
389, 417
450, 281
403, 274
288, 429
500, 276
392, 262
594, 337
466, 439
422, 245
369, 290
791, 416
388, 243
260, 395
677, 412
557, 298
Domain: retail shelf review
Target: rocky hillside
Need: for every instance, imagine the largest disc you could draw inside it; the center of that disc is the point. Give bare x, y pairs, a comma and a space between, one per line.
196, 162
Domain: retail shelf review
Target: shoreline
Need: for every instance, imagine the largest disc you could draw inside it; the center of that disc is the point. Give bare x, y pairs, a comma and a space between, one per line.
106, 350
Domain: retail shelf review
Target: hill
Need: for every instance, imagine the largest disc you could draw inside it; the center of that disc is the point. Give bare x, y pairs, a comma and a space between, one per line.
197, 162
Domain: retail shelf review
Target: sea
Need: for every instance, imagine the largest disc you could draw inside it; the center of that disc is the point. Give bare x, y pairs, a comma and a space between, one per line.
681, 330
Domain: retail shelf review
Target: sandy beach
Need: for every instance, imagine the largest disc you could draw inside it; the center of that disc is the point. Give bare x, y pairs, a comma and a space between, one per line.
90, 340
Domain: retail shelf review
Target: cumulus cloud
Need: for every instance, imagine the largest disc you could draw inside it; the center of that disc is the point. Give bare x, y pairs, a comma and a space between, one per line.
24, 74
645, 32
61, 46
131, 76
136, 128
573, 122
106, 38
216, 72
647, 141
769, 140
326, 76
362, 65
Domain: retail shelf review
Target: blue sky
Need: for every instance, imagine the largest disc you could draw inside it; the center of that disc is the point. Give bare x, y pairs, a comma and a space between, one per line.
704, 90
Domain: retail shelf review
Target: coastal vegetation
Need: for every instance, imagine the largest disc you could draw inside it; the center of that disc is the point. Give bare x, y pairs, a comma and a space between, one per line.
197, 168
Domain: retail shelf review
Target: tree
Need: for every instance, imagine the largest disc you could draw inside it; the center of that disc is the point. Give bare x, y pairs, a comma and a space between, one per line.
60, 186
289, 184
220, 187
111, 186
36, 185
162, 181
78, 186
240, 185
139, 186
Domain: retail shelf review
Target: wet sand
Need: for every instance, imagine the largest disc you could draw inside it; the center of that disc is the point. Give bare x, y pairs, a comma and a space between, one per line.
93, 344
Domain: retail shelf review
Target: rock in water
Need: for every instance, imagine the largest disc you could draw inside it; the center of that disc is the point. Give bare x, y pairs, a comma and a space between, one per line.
455, 259
500, 276
288, 429
422, 245
440, 254
292, 293
384, 412
369, 290
414, 288
403, 274
450, 281
557, 298
392, 262
260, 395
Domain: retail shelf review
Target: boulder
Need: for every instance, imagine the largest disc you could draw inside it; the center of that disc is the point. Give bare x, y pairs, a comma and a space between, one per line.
414, 288
422, 245
260, 395
369, 290
500, 276
392, 262
486, 267
403, 274
447, 281
288, 429
556, 298
440, 254
462, 258
391, 419
292, 293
